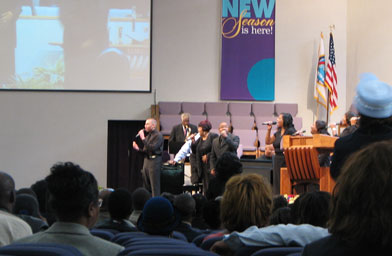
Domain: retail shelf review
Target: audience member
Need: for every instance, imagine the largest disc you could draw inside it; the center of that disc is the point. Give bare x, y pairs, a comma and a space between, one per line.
28, 191
269, 152
40, 188
279, 201
374, 104
120, 208
73, 196
226, 142
26, 208
361, 209
285, 127
281, 215
186, 206
103, 210
198, 220
139, 198
202, 148
11, 226
228, 165
348, 122
169, 196
311, 208
180, 133
211, 213
158, 217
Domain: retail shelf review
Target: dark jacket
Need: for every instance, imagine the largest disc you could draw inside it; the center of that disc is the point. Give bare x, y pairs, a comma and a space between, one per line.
221, 145
177, 137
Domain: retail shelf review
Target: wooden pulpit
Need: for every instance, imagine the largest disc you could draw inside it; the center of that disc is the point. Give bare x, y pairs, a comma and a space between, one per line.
302, 160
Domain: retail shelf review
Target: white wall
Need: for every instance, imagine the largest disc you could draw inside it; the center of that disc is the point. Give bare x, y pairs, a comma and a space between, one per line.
369, 40
40, 128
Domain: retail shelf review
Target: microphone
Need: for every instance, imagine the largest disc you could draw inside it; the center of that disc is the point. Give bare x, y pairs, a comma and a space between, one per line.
269, 123
138, 135
298, 133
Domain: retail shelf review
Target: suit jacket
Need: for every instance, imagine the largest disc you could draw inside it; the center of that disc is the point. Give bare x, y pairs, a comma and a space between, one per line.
153, 144
331, 245
221, 145
351, 143
177, 137
75, 235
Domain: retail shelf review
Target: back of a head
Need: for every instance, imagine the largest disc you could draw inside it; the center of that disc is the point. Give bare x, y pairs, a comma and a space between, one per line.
7, 191
186, 205
247, 201
200, 201
71, 190
139, 197
169, 196
227, 165
311, 208
40, 188
120, 204
361, 206
279, 201
322, 127
104, 196
26, 204
28, 191
158, 217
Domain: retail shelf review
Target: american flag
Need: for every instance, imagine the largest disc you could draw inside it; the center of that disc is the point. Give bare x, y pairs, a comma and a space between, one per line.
331, 80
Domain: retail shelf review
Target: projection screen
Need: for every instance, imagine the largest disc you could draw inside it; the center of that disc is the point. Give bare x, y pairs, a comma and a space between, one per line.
76, 45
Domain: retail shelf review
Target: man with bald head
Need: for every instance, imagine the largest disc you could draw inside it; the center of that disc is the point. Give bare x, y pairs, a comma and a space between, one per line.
11, 227
153, 147
226, 142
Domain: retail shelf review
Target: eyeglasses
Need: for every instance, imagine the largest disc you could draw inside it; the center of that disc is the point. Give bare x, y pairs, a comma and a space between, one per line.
99, 203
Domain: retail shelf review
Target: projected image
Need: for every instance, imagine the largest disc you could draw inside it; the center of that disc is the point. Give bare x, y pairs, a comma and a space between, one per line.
75, 45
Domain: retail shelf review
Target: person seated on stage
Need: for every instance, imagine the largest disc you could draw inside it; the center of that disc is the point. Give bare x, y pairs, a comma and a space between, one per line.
285, 126
120, 207
320, 127
247, 201
180, 133
269, 152
202, 149
186, 206
158, 217
139, 198
11, 226
348, 122
73, 196
374, 104
361, 207
26, 208
227, 166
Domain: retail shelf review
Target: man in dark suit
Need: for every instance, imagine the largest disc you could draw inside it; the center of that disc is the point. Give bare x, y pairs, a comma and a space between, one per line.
374, 104
180, 133
226, 142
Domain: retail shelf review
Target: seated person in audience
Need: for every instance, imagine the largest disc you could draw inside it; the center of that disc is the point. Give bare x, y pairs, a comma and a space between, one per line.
139, 198
26, 208
247, 201
73, 196
158, 217
120, 207
198, 220
211, 213
186, 206
374, 104
348, 122
40, 188
11, 227
360, 221
311, 208
202, 149
103, 210
228, 164
180, 133
285, 126
226, 142
281, 213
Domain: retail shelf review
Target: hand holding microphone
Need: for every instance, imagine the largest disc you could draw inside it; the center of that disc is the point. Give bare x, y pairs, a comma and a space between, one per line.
269, 123
141, 134
299, 132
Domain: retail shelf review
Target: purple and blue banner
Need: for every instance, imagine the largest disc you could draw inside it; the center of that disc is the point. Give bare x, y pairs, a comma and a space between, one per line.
248, 50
